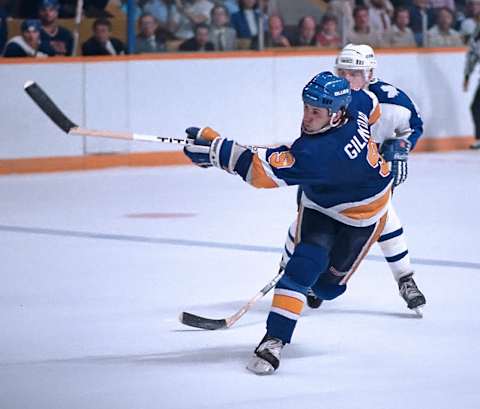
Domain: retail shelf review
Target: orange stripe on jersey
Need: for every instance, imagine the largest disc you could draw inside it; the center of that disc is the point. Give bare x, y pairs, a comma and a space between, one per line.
259, 177
285, 302
369, 210
375, 115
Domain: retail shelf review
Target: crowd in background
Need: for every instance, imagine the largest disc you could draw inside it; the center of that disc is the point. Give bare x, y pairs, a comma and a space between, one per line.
208, 25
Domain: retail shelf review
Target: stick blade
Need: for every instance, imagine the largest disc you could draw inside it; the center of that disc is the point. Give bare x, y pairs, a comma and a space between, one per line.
48, 106
197, 321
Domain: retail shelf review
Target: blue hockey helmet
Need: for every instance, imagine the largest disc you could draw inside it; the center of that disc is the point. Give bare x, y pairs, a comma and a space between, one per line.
326, 90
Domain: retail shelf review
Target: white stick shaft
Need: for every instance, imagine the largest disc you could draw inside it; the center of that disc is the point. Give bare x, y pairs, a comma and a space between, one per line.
235, 317
130, 136
126, 135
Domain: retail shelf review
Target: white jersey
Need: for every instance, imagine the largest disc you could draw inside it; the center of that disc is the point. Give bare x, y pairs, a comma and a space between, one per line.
400, 117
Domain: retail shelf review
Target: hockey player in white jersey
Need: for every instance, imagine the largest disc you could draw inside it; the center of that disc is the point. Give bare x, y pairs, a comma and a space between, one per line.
396, 132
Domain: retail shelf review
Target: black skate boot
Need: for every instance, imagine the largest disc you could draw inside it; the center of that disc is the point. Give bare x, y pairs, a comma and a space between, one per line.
312, 300
411, 294
267, 356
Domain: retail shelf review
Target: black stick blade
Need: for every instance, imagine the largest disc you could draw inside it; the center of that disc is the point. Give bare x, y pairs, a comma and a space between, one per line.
196, 321
48, 106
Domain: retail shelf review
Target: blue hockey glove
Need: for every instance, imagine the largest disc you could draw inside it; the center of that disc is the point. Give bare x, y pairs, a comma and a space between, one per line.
199, 149
396, 152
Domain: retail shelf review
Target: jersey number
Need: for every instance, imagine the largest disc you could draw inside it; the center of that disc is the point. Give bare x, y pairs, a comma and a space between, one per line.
374, 159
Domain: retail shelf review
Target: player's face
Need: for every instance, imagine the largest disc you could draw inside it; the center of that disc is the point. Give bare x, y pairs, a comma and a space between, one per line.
314, 118
356, 78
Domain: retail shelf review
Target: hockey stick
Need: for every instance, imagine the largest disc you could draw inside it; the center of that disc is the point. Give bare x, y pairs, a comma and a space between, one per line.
45, 103
197, 321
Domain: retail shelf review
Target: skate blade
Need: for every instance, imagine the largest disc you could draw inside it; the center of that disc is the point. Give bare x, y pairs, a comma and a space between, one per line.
259, 366
418, 311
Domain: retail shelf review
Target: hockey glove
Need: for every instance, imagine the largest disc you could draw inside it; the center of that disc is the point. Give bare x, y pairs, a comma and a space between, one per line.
200, 145
396, 152
206, 148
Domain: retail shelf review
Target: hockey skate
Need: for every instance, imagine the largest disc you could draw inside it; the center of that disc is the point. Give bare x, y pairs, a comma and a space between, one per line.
267, 356
312, 300
411, 294
475, 145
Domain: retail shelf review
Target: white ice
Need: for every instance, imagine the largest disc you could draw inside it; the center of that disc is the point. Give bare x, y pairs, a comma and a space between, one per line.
90, 321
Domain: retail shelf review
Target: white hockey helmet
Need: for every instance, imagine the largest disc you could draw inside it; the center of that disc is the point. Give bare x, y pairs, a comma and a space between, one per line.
356, 57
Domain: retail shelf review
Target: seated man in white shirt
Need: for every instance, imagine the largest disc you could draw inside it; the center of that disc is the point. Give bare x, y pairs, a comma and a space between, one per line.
223, 37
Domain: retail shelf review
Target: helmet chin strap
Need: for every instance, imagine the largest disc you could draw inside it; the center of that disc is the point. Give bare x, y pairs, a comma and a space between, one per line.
335, 120
321, 130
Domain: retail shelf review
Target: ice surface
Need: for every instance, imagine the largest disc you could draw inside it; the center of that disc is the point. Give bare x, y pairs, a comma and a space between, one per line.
95, 270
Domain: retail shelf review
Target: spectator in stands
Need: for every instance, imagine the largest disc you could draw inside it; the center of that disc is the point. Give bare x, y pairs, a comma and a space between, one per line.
469, 23
3, 25
147, 40
400, 34
306, 32
421, 19
245, 21
53, 36
442, 34
27, 44
221, 35
165, 12
199, 42
101, 43
275, 37
190, 13
328, 35
380, 13
361, 32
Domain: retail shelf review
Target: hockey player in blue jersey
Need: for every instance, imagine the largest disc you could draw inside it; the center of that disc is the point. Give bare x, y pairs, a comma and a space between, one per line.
396, 132
346, 188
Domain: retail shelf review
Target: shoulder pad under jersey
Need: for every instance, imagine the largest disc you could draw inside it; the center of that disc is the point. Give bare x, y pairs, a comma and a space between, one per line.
366, 102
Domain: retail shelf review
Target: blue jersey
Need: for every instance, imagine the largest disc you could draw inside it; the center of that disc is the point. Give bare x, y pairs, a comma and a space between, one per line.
366, 102
400, 116
339, 171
